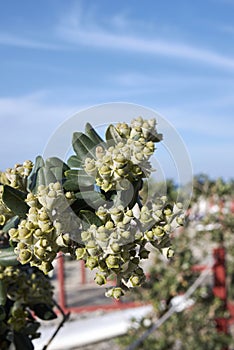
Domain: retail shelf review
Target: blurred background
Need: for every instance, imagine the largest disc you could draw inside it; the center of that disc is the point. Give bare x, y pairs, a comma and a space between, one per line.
58, 57
174, 57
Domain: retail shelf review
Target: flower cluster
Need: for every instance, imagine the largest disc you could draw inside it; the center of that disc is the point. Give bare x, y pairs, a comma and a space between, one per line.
118, 165
118, 246
93, 212
16, 177
42, 234
139, 128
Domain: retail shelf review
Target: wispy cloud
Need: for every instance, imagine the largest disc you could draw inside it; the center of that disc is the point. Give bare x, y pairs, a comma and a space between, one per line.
85, 29
134, 78
8, 39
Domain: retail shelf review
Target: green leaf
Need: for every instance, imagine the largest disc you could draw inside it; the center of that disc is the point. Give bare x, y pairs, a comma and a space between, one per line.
57, 167
112, 135
32, 178
90, 218
137, 185
78, 205
71, 185
74, 162
122, 197
40, 181
58, 174
15, 201
49, 176
93, 135
81, 177
55, 162
11, 223
44, 311
156, 137
8, 257
3, 293
91, 196
83, 145
89, 199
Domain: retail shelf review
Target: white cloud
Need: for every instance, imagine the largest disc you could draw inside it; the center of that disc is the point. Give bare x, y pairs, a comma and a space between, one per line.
161, 80
85, 29
88, 28
8, 39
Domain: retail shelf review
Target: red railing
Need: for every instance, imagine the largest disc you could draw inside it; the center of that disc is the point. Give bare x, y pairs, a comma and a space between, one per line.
220, 288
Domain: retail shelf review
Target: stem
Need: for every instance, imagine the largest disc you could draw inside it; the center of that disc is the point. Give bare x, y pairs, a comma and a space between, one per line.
65, 318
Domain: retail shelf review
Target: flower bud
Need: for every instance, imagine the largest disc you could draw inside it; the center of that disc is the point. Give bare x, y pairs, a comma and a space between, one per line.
167, 228
125, 234
44, 243
116, 292
136, 170
167, 211
93, 251
14, 233
105, 172
119, 161
31, 200
158, 231
80, 253
116, 214
135, 281
180, 221
106, 185
138, 235
112, 262
102, 213
99, 152
109, 225
145, 217
38, 233
25, 255
149, 235
100, 279
46, 227
116, 248
128, 216
92, 262
167, 252
159, 213
123, 129
85, 235
46, 267
91, 244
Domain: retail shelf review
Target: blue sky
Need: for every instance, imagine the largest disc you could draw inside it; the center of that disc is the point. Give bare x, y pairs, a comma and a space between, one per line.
176, 57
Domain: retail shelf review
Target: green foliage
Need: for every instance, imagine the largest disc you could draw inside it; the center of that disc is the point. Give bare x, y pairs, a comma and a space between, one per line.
24, 292
15, 200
